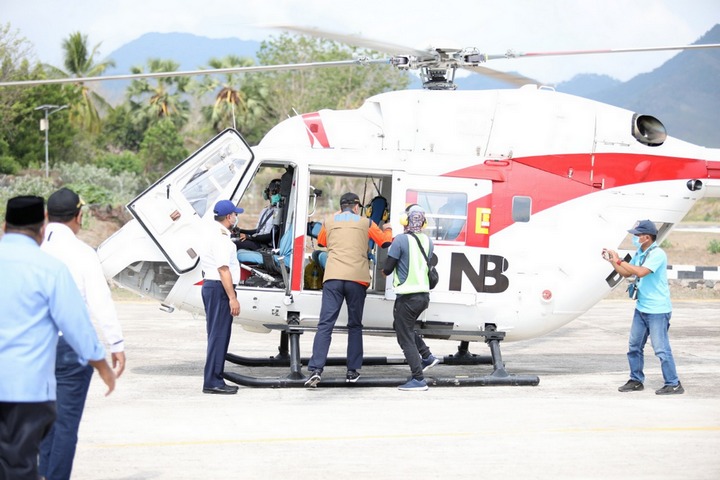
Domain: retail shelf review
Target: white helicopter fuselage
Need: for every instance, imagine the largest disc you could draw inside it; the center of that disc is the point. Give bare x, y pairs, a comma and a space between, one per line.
548, 181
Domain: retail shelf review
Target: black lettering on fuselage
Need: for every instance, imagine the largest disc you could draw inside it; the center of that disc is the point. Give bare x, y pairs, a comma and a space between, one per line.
491, 268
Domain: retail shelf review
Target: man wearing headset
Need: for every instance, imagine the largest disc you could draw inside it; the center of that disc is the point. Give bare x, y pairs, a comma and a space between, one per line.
346, 278
264, 235
412, 288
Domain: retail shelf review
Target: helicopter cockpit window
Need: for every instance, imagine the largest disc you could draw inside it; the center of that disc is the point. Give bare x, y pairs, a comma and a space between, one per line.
521, 209
445, 212
210, 178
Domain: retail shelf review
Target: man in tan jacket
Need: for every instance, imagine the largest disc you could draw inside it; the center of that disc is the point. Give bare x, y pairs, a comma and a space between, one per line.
346, 278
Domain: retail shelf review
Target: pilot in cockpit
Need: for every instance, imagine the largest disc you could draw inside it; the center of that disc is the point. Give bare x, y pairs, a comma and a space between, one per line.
266, 233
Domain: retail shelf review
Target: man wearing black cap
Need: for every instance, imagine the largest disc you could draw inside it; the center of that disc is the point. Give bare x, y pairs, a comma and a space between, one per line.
653, 309
38, 298
57, 450
221, 272
346, 278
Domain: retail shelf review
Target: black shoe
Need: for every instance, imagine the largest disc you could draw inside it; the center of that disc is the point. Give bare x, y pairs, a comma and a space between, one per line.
631, 386
314, 379
352, 376
671, 390
222, 390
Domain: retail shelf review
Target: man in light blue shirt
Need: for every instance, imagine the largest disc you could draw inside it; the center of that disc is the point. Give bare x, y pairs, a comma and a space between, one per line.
653, 309
38, 298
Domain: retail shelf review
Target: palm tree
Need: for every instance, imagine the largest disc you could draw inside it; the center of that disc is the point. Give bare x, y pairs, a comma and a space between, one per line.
231, 103
79, 63
161, 99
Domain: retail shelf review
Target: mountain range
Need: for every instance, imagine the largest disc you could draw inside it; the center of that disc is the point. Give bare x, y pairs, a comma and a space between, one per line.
684, 92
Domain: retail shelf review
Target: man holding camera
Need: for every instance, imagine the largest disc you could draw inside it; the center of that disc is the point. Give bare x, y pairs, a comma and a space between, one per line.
653, 309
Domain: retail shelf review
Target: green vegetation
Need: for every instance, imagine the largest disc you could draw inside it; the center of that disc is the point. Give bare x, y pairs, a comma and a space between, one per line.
714, 246
109, 153
705, 210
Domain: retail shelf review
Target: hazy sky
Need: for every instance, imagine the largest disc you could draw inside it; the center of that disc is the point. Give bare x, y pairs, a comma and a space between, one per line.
493, 26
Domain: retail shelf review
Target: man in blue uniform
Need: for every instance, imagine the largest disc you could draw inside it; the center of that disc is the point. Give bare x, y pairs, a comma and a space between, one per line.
221, 272
38, 298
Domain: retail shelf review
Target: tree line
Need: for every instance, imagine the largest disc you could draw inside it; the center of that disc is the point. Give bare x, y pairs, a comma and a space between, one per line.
161, 120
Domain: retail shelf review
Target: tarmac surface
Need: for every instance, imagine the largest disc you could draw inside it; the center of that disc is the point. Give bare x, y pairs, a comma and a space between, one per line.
574, 424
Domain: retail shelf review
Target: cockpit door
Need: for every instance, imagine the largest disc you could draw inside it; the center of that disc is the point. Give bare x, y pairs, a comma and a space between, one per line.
170, 210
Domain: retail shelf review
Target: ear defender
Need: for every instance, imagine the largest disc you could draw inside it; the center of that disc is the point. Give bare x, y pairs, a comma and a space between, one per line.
368, 209
274, 186
404, 215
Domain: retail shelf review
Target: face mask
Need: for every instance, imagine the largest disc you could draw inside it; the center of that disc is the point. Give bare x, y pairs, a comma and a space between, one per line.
275, 199
636, 241
237, 219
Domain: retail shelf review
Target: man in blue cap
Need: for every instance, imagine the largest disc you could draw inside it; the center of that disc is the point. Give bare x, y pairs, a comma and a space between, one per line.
38, 298
653, 309
221, 272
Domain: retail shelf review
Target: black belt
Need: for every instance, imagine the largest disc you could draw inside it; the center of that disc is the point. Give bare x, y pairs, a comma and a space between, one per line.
218, 281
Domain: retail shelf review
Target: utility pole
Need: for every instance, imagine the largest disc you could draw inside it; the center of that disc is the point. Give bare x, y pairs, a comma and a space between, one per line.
45, 125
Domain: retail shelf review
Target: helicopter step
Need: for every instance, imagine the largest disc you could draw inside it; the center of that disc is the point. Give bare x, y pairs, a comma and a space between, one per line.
499, 376
282, 359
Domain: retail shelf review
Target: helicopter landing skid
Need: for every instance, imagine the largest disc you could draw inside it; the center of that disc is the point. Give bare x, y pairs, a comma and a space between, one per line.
498, 377
367, 381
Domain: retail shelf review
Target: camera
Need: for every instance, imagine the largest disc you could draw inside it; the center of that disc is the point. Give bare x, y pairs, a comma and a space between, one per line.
633, 290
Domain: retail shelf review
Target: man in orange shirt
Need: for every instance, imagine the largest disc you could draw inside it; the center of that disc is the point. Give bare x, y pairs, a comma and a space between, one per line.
346, 278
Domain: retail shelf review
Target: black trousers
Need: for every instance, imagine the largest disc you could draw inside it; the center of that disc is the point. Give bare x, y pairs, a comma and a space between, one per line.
406, 311
22, 428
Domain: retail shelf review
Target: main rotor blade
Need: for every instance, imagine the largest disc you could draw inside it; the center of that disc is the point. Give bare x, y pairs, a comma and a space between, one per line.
256, 68
513, 54
511, 78
355, 40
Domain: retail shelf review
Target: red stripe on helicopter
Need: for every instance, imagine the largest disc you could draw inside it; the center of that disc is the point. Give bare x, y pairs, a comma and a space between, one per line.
297, 263
554, 179
315, 129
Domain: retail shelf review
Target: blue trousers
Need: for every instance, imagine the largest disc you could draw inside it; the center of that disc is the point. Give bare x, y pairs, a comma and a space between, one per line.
57, 450
656, 326
334, 293
219, 326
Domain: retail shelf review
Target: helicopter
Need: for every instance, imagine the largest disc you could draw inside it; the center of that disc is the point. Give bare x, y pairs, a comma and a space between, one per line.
508, 179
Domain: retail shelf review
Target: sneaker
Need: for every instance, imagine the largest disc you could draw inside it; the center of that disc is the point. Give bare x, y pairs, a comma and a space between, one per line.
631, 386
352, 376
314, 379
429, 362
671, 390
414, 386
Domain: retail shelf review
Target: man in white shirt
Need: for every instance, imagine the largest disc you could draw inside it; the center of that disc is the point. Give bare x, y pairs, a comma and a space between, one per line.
221, 272
57, 450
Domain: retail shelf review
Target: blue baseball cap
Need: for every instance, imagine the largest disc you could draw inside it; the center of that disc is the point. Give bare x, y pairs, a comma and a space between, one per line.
644, 227
226, 207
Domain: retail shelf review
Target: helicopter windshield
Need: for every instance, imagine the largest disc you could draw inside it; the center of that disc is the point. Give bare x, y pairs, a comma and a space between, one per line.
209, 179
